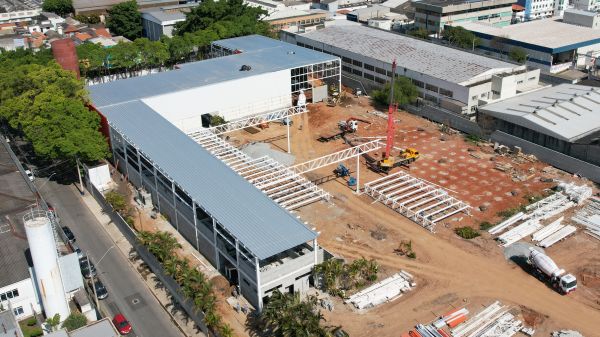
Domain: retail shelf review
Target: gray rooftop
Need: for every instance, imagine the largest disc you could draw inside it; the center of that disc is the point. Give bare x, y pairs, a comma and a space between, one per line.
567, 112
438, 61
580, 12
15, 198
249, 43
548, 33
161, 16
101, 328
262, 54
9, 325
260, 224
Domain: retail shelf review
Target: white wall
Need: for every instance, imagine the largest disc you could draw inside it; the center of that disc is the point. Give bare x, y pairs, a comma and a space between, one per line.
27, 297
230, 99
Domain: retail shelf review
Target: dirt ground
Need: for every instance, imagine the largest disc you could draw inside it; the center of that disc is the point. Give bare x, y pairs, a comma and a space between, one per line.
450, 272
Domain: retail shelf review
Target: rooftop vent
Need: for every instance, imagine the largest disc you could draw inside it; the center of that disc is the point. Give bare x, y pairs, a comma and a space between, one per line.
291, 52
245, 67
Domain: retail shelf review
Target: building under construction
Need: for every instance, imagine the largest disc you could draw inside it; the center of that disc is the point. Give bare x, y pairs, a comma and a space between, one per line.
209, 190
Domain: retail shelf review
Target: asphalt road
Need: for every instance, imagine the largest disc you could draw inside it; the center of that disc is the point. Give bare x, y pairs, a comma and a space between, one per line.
128, 294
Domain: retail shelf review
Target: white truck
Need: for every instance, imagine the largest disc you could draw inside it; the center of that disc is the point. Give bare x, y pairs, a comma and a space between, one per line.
546, 268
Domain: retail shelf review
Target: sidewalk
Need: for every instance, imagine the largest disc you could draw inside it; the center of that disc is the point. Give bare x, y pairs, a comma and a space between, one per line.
180, 318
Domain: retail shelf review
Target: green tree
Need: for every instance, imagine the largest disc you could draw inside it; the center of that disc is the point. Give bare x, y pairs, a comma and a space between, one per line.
125, 19
460, 37
75, 321
53, 322
92, 58
151, 53
89, 19
116, 200
60, 7
518, 55
405, 92
47, 104
234, 17
421, 33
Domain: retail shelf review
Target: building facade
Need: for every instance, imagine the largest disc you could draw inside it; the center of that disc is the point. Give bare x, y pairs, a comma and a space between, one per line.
586, 5
446, 77
582, 18
541, 9
157, 22
22, 297
434, 15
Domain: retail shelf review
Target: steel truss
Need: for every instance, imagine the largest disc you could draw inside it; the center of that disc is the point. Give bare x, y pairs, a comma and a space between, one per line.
290, 190
414, 198
251, 121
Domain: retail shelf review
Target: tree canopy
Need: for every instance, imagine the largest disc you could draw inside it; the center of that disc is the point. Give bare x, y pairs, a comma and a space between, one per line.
74, 321
125, 19
405, 92
518, 55
230, 17
60, 7
47, 104
421, 33
460, 37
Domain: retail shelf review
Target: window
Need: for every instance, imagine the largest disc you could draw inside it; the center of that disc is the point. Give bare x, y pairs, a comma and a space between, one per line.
474, 98
369, 67
380, 71
357, 63
369, 76
531, 79
346, 60
419, 84
431, 87
9, 294
18, 311
379, 80
445, 92
357, 72
346, 69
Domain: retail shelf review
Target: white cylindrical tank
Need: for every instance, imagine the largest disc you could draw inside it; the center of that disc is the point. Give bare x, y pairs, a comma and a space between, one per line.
45, 263
543, 262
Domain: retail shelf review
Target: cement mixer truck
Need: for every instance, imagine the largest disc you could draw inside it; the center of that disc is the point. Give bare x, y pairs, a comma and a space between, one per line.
547, 270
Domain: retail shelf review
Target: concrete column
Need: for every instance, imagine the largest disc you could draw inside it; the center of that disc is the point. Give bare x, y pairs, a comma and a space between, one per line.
259, 292
215, 243
195, 223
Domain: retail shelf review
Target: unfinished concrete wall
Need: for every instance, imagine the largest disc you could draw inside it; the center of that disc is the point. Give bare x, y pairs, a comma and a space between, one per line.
446, 117
554, 158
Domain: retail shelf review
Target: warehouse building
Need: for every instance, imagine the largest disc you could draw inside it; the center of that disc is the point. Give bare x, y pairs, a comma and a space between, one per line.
563, 118
550, 44
256, 243
450, 78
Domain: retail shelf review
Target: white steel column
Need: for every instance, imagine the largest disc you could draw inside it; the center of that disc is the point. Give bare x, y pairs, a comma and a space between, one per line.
259, 294
357, 174
289, 120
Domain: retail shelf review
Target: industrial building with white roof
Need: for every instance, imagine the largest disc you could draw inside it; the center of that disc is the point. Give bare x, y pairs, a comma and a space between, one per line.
254, 241
550, 44
452, 78
563, 118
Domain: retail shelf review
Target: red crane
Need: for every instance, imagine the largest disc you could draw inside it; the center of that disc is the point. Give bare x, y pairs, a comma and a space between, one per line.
388, 160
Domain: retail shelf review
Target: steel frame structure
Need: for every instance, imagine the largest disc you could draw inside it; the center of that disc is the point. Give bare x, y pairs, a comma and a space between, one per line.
298, 190
414, 198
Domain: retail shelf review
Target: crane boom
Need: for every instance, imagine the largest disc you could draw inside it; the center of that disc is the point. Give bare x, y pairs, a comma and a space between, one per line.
389, 145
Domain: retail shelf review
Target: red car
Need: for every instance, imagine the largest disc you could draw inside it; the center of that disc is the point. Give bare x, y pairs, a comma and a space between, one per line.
122, 324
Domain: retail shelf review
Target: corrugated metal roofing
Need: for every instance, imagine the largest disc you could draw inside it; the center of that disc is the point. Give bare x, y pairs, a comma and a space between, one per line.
449, 64
568, 112
274, 56
261, 225
249, 43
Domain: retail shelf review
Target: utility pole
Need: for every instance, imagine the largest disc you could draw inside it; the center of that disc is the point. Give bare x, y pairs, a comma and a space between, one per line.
80, 180
89, 258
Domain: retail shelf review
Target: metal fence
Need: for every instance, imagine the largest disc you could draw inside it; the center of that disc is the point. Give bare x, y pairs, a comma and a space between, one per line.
557, 159
445, 117
174, 289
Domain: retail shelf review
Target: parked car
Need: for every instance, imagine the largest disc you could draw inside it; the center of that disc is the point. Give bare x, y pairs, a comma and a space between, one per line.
69, 234
29, 175
87, 269
76, 249
101, 290
121, 324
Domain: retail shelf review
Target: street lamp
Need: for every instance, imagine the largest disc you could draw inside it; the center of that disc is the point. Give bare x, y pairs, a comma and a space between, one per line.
89, 259
45, 182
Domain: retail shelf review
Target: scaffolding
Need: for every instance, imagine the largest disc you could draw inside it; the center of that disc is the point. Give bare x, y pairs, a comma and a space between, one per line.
290, 190
416, 199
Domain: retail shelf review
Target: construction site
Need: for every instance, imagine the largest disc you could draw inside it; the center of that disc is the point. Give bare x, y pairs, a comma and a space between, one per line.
370, 181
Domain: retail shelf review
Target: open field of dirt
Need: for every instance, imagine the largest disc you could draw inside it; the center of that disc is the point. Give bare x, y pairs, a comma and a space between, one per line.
450, 272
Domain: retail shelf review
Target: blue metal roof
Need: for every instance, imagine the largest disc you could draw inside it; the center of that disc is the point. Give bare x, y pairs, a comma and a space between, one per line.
273, 56
250, 43
261, 225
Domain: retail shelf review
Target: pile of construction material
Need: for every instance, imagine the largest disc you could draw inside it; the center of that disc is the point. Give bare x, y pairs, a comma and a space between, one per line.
493, 321
553, 233
530, 221
384, 291
576, 193
566, 333
589, 217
